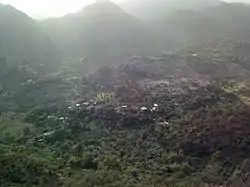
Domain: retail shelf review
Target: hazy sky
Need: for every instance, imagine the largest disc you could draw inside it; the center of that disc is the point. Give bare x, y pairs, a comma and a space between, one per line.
47, 8
52, 8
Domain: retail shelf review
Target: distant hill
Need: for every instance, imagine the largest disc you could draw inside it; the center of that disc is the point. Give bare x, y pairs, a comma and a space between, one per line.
159, 9
21, 40
233, 16
223, 22
103, 33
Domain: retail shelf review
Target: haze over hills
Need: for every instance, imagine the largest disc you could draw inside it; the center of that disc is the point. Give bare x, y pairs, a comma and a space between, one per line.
214, 23
103, 33
22, 40
105, 29
46, 9
158, 9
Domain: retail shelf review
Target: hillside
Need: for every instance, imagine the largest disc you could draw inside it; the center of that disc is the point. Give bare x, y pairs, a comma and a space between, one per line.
179, 119
22, 41
103, 33
160, 9
191, 28
229, 15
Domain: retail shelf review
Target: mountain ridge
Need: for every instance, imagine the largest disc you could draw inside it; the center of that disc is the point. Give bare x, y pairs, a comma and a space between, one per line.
22, 40
104, 33
104, 29
157, 9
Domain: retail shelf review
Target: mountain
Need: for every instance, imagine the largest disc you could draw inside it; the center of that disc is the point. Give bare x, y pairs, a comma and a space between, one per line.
21, 40
190, 28
103, 33
158, 9
229, 15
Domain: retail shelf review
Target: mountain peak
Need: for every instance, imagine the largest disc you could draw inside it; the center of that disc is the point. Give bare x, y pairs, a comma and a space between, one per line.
8, 10
100, 9
102, 6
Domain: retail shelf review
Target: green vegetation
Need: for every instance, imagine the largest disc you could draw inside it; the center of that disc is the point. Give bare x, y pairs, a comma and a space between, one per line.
88, 143
175, 119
